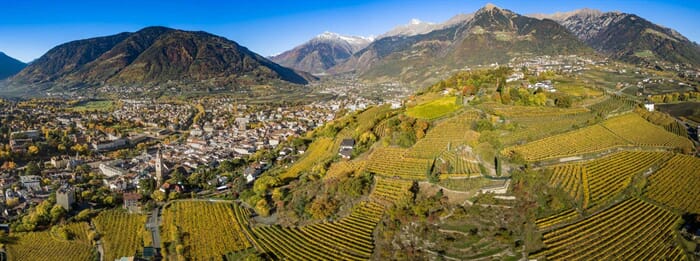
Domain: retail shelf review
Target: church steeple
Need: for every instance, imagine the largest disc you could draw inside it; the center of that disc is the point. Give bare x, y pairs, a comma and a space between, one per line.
159, 168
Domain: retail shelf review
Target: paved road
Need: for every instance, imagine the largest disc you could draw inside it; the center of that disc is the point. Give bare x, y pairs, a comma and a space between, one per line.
153, 224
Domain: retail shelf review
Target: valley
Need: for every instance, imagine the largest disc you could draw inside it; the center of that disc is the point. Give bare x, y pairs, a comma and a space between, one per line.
490, 136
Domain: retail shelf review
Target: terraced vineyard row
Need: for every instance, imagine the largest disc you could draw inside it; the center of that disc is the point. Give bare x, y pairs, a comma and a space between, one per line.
676, 184
45, 246
120, 232
530, 111
625, 130
208, 230
460, 164
602, 179
548, 222
446, 135
570, 179
381, 129
343, 168
638, 131
349, 238
586, 140
319, 150
390, 162
630, 230
388, 191
614, 104
537, 127
610, 175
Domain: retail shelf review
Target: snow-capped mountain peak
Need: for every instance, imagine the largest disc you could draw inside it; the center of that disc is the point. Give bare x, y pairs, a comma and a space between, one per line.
357, 42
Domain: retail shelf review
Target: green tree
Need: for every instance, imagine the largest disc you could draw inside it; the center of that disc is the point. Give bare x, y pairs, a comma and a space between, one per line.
57, 213
262, 208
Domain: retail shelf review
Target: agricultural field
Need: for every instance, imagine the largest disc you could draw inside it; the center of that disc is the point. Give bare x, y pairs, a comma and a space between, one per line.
585, 140
121, 232
47, 245
640, 132
553, 220
446, 135
630, 230
391, 162
320, 150
471, 184
530, 111
457, 164
372, 116
345, 168
626, 130
612, 105
530, 128
676, 184
434, 109
600, 180
388, 191
202, 230
349, 238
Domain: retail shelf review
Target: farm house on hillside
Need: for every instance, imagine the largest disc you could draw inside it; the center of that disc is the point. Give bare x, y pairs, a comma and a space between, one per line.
346, 147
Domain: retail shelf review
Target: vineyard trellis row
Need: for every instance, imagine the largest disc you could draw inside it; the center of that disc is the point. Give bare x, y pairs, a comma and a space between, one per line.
599, 180
349, 238
630, 230
120, 232
676, 184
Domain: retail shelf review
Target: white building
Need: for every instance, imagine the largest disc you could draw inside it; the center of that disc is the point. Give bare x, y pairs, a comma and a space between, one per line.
111, 171
649, 106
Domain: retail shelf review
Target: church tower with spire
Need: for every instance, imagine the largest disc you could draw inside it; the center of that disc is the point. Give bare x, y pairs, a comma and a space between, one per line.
159, 168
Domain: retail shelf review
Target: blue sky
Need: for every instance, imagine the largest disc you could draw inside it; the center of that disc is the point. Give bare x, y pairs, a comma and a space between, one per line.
30, 28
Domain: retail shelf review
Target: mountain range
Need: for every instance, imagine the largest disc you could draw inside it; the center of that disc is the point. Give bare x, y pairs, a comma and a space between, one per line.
416, 53
490, 35
153, 56
628, 37
322, 52
9, 66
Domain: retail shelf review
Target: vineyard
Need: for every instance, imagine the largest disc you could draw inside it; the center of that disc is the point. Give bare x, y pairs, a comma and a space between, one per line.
676, 184
638, 131
388, 191
630, 230
121, 232
458, 165
599, 180
344, 168
531, 111
45, 246
434, 109
204, 230
586, 140
551, 221
626, 130
614, 104
391, 162
319, 150
349, 238
570, 179
536, 127
446, 135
